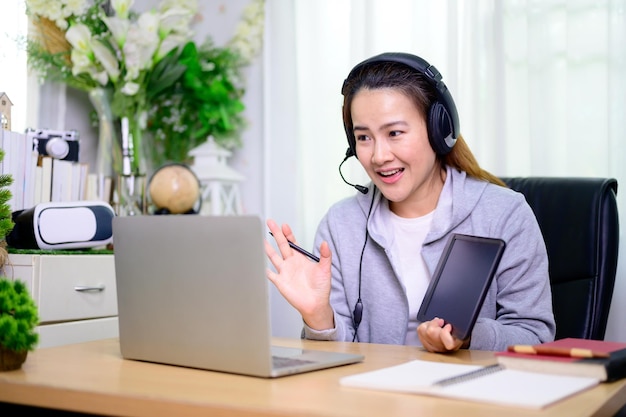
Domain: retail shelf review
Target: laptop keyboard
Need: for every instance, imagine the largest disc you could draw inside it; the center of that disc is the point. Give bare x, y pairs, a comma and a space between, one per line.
283, 362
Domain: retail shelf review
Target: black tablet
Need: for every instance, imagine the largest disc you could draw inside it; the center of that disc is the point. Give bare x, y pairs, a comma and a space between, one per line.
461, 281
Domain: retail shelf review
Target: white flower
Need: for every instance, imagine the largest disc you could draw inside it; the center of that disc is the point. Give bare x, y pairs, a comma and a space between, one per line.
36, 6
61, 23
177, 20
80, 62
48, 9
79, 37
55, 14
119, 29
74, 7
141, 44
59, 11
248, 39
168, 44
191, 5
148, 22
101, 77
122, 7
106, 58
130, 88
91, 56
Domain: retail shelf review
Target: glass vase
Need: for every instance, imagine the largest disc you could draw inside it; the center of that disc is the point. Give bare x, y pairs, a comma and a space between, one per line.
131, 184
131, 193
109, 154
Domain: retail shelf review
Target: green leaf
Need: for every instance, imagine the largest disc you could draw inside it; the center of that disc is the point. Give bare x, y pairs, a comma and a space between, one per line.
205, 100
166, 72
18, 316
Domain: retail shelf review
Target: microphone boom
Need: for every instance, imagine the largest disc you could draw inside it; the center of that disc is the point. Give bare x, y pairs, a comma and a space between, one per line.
360, 188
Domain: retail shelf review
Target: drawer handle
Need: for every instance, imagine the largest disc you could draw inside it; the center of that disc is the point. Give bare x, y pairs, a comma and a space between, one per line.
80, 288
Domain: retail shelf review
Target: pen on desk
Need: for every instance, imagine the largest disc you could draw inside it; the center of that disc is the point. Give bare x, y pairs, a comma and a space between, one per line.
302, 251
556, 351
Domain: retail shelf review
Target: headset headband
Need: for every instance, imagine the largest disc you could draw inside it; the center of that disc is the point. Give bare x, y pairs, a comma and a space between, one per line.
443, 119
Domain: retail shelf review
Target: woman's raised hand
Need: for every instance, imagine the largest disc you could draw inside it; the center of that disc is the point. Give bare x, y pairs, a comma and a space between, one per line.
305, 284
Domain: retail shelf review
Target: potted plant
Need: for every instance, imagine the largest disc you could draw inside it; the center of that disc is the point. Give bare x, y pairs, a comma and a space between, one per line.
18, 312
18, 318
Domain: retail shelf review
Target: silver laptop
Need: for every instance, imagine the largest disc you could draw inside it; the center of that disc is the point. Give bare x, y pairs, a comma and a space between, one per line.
192, 291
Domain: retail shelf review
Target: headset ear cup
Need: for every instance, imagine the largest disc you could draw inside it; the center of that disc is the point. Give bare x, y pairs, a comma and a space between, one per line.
439, 128
351, 144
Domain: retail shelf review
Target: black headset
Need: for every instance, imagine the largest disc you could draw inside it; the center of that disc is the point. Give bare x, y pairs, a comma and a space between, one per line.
442, 125
443, 119
357, 312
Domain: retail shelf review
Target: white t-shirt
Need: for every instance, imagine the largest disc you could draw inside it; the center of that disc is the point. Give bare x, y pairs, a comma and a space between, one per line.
409, 234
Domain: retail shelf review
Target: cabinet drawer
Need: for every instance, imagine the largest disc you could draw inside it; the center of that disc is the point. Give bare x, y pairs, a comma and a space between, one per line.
20, 267
71, 287
77, 332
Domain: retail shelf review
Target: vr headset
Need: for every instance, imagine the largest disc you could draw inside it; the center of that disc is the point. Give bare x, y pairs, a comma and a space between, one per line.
62, 225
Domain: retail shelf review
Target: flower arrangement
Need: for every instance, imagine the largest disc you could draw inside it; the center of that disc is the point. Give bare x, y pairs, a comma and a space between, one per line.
207, 99
156, 75
106, 45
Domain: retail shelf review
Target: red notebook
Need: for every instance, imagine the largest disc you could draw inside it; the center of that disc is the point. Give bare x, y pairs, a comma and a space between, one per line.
565, 357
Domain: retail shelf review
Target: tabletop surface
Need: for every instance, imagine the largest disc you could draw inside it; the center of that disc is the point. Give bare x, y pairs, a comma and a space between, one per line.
92, 377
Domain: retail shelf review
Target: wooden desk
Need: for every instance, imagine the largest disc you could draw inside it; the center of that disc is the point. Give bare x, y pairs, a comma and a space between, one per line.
93, 378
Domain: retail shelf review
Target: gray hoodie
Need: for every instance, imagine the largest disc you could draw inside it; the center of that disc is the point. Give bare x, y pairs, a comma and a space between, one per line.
518, 306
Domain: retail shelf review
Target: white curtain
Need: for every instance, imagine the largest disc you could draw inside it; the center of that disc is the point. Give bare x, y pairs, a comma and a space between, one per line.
13, 74
540, 86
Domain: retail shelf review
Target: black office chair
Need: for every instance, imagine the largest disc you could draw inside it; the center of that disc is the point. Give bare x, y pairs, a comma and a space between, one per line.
580, 225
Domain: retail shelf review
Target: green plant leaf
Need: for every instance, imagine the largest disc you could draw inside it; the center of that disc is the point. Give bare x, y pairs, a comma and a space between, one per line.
18, 316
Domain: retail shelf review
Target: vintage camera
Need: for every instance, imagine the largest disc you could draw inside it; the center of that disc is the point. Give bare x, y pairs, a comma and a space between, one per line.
58, 144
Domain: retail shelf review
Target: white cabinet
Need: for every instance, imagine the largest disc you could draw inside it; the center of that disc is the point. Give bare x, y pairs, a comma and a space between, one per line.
75, 295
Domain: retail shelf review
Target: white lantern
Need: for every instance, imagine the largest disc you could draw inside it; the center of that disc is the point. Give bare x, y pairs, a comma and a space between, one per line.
219, 182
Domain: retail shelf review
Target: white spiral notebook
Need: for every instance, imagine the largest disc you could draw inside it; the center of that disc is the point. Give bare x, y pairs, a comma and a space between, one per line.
493, 384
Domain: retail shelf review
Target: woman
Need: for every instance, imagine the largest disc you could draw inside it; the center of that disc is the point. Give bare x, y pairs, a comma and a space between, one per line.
379, 248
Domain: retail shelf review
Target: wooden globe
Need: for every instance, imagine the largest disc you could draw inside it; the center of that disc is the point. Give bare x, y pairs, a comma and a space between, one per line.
174, 188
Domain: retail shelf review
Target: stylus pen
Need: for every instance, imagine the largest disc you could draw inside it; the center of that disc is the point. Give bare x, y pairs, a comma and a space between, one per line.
302, 251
